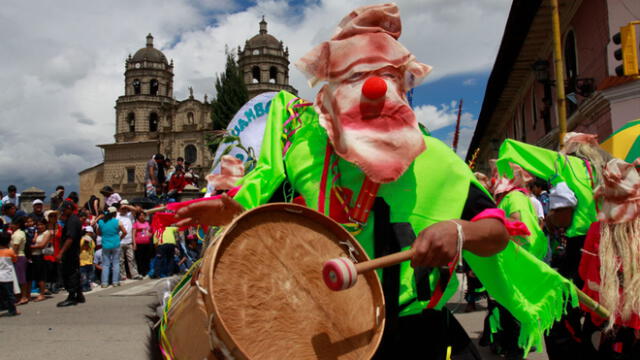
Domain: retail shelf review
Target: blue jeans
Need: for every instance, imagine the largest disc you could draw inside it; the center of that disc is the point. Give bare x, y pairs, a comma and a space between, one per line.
86, 276
165, 264
110, 263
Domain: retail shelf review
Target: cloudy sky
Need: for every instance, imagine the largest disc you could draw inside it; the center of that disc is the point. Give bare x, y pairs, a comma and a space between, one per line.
62, 65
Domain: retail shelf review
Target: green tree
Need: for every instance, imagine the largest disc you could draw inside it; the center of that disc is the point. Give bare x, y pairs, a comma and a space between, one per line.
231, 94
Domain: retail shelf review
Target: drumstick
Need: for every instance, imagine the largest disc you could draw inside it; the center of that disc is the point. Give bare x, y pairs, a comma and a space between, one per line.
342, 273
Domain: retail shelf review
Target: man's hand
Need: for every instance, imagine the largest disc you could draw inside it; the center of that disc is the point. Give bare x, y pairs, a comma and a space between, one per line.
59, 258
436, 245
217, 212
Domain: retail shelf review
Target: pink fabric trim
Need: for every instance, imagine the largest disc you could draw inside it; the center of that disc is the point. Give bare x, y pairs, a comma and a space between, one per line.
162, 220
514, 228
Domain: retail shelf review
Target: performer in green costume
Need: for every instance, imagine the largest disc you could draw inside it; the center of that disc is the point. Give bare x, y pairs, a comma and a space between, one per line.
359, 156
511, 194
581, 174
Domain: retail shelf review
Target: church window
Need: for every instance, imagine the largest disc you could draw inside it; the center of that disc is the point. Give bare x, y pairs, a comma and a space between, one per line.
190, 118
136, 87
255, 72
153, 87
273, 75
153, 122
131, 121
256, 52
131, 175
190, 154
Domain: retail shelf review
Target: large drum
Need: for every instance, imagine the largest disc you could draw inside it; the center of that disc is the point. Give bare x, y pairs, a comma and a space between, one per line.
259, 294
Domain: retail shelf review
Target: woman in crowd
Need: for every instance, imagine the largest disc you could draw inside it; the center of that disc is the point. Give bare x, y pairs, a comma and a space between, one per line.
112, 232
143, 247
41, 246
18, 244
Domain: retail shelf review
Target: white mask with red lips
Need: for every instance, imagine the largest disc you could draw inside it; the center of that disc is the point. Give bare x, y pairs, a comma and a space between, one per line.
371, 126
370, 123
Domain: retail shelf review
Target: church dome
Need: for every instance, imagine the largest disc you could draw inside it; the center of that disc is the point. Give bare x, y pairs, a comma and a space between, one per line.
263, 39
149, 53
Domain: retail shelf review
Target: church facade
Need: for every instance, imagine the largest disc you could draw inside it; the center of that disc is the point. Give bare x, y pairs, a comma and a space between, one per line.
150, 120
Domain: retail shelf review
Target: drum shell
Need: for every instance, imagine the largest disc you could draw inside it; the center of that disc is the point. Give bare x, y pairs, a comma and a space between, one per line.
207, 318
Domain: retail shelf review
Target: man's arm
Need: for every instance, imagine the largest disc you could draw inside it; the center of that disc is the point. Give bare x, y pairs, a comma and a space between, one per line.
123, 231
65, 246
437, 245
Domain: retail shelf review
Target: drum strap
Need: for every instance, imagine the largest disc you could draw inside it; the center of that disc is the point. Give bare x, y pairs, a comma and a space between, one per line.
385, 244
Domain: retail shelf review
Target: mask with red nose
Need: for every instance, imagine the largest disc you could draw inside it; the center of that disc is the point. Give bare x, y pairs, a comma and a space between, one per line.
363, 105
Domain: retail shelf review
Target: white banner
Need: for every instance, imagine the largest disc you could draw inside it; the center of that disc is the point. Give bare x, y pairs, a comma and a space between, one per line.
248, 124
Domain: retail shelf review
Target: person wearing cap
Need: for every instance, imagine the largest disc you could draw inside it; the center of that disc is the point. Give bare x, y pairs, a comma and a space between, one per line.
87, 248
112, 232
69, 255
37, 213
359, 156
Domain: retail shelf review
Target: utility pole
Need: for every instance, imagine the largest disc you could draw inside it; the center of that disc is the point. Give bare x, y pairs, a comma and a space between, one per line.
559, 63
456, 134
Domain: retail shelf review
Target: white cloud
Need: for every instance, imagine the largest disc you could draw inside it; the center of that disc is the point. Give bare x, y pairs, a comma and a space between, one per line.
438, 117
64, 62
444, 117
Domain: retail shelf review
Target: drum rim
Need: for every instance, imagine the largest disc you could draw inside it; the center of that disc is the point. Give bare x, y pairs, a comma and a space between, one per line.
335, 227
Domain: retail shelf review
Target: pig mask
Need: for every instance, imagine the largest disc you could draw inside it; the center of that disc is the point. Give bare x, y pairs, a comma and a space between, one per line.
363, 106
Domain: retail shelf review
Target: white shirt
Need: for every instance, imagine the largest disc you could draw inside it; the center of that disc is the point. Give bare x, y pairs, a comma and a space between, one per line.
127, 223
112, 199
537, 205
15, 200
97, 257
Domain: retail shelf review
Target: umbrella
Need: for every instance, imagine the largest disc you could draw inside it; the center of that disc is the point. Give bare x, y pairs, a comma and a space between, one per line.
624, 143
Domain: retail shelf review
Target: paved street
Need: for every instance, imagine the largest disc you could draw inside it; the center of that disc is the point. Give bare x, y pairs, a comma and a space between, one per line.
112, 325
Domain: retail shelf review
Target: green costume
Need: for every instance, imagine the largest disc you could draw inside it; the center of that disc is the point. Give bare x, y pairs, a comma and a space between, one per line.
555, 168
424, 195
517, 202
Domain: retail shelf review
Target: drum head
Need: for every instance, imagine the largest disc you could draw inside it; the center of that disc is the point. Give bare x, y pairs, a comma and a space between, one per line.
269, 295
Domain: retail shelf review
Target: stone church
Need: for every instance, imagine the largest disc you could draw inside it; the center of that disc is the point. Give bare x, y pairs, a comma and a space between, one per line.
150, 120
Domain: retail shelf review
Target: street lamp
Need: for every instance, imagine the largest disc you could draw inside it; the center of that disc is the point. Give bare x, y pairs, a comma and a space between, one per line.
541, 70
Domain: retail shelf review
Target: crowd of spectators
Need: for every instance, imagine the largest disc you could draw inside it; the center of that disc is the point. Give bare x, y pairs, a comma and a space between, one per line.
80, 247
163, 181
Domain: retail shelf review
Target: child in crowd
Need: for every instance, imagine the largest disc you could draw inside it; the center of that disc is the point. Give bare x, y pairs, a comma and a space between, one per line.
87, 247
7, 274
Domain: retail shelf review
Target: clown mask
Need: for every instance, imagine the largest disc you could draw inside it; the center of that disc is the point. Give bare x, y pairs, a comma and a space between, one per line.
363, 106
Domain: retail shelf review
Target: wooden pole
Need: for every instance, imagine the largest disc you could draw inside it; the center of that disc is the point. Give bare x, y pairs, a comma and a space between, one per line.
559, 70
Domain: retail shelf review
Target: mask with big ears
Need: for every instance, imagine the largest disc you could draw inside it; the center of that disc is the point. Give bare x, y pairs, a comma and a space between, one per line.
363, 106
